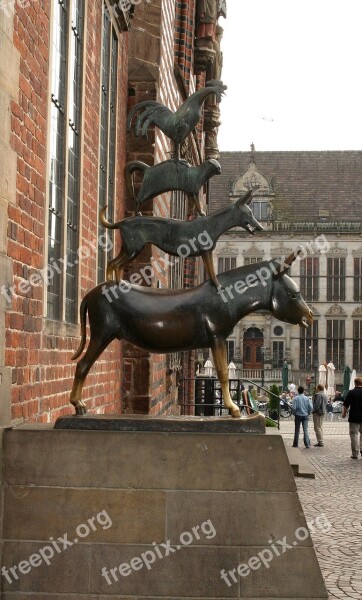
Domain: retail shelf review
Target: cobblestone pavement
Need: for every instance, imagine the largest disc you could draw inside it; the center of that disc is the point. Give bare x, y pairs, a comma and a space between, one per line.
337, 492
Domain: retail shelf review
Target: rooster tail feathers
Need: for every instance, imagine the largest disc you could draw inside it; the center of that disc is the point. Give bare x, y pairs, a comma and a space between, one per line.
153, 115
138, 107
139, 128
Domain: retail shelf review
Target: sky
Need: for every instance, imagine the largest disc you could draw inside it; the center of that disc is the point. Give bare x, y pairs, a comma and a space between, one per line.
294, 77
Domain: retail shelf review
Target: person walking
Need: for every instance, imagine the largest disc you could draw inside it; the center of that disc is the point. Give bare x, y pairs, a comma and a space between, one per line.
319, 411
301, 409
353, 402
329, 410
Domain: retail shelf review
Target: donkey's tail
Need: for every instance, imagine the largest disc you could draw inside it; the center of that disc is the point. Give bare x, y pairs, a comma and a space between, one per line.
83, 315
131, 167
106, 223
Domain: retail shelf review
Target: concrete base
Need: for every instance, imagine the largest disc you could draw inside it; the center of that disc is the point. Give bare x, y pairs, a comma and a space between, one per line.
252, 424
164, 514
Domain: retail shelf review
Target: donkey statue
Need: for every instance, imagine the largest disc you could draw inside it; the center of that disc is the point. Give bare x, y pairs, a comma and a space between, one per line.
162, 320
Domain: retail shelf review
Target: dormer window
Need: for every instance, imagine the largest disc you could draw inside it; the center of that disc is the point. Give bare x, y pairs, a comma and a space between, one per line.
253, 179
261, 208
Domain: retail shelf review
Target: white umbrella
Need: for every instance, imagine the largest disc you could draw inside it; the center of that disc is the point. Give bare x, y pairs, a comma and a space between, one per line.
353, 377
208, 366
331, 379
322, 375
232, 370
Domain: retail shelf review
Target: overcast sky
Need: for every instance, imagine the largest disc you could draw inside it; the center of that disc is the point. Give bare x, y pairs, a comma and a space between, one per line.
293, 71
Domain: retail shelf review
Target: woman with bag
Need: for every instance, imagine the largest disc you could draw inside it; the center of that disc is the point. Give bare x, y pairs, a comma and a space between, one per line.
319, 411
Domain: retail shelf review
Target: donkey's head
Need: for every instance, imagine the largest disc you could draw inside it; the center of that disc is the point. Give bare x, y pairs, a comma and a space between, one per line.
287, 303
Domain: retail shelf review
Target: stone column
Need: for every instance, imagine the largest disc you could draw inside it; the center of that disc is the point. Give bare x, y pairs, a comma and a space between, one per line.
9, 90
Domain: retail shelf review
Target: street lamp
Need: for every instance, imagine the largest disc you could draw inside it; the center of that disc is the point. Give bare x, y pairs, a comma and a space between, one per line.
315, 367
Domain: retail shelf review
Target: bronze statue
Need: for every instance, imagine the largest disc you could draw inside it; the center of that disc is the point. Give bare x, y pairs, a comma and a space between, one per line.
177, 126
180, 238
171, 175
161, 320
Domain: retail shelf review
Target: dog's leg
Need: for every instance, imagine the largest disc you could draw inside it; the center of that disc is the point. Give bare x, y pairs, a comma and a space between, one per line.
111, 267
121, 260
115, 265
209, 266
219, 354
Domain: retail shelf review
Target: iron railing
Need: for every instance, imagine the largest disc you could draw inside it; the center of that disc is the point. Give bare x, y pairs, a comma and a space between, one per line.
340, 226
206, 398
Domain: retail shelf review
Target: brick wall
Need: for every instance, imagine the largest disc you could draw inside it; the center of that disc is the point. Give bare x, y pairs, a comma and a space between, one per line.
39, 351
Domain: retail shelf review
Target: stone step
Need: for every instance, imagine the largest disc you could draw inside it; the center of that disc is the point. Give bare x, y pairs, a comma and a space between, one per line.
300, 465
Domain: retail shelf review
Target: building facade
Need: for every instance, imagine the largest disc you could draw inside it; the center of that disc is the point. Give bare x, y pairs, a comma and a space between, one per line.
312, 199
71, 70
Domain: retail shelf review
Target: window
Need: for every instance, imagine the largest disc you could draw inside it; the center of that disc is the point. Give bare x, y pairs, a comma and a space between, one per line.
178, 210
278, 354
357, 280
252, 260
357, 345
308, 347
230, 346
107, 134
309, 279
225, 264
64, 143
336, 342
336, 279
260, 209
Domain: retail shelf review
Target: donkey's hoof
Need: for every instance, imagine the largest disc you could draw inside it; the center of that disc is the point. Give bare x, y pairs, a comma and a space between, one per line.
235, 413
80, 409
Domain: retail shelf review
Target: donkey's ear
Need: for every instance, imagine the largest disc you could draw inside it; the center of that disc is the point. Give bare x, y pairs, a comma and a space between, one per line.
283, 265
246, 199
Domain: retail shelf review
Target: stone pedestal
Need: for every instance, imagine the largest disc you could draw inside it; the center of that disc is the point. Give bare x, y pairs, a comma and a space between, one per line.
163, 514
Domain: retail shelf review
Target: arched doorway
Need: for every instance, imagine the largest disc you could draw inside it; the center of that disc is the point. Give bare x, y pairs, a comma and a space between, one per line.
252, 348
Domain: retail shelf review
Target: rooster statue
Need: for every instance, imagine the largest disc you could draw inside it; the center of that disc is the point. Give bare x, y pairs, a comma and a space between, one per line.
177, 126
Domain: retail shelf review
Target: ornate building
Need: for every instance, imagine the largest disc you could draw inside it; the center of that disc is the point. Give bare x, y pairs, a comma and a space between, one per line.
313, 199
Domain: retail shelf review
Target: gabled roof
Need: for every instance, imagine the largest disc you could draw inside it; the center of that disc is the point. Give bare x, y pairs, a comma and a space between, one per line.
303, 183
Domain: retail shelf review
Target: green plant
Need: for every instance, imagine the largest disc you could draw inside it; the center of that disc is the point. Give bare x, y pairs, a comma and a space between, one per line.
270, 422
273, 397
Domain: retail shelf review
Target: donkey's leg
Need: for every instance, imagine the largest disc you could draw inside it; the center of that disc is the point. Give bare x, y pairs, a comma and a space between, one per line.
220, 359
94, 350
209, 266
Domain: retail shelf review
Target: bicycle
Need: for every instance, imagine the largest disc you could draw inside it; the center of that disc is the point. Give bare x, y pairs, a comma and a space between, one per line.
285, 409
